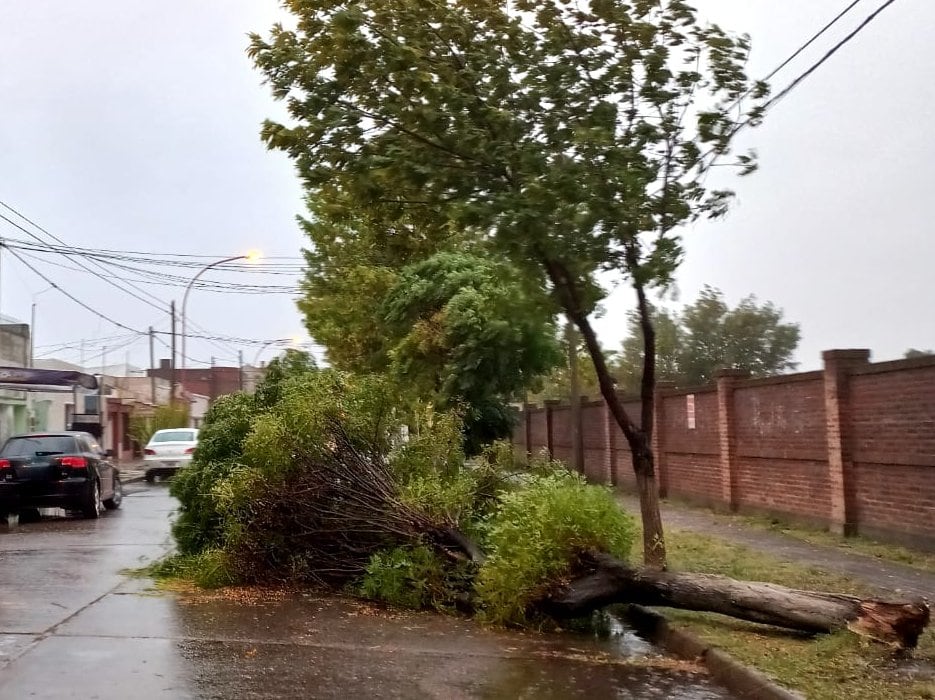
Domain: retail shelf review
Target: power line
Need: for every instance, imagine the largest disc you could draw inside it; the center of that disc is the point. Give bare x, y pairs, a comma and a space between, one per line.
798, 52
773, 101
160, 305
834, 49
821, 32
71, 296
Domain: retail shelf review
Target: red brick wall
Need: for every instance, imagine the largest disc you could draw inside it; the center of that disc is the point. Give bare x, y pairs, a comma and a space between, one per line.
594, 441
538, 434
781, 451
892, 441
561, 434
769, 447
623, 464
689, 459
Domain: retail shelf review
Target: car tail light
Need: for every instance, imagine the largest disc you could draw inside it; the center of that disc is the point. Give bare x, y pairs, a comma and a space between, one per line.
5, 464
74, 462
190, 450
150, 452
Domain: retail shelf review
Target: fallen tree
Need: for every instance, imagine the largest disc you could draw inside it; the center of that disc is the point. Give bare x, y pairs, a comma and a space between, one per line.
313, 491
898, 623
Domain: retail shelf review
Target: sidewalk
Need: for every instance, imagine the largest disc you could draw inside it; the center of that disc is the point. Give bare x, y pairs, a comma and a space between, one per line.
888, 577
131, 471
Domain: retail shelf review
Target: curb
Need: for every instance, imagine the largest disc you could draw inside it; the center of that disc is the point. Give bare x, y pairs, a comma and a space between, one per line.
742, 680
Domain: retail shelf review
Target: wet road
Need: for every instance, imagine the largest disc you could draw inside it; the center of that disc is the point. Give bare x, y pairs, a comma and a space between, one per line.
73, 626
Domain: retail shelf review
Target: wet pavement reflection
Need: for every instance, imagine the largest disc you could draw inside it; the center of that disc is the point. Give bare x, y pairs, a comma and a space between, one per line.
72, 625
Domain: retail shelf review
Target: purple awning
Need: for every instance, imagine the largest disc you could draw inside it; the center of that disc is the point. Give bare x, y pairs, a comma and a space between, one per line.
46, 377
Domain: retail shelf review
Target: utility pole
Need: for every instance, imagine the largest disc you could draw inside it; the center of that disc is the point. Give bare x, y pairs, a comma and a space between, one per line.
100, 394
32, 336
152, 365
240, 364
571, 341
213, 385
174, 377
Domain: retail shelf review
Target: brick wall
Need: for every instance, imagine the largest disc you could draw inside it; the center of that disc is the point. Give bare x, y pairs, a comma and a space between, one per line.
851, 447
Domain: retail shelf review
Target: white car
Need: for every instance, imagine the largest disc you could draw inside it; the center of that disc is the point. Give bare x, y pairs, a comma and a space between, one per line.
168, 450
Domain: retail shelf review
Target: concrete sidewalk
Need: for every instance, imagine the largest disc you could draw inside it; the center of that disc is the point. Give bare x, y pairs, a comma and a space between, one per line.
132, 471
888, 577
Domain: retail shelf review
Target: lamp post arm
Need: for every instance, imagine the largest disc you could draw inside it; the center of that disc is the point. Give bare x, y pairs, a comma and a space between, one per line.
188, 289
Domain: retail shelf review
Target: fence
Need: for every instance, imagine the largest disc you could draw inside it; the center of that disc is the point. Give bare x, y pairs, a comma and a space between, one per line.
850, 447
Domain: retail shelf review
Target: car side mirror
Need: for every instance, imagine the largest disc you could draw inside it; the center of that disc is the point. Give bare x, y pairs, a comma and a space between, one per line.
108, 453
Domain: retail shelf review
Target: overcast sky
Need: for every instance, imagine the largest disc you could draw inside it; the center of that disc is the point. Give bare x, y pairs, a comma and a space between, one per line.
134, 125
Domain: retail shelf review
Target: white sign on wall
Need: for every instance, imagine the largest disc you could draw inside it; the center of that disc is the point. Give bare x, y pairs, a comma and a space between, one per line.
690, 410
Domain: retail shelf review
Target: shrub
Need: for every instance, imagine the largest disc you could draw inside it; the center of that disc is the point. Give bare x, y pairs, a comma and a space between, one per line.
208, 569
413, 577
536, 539
220, 451
142, 428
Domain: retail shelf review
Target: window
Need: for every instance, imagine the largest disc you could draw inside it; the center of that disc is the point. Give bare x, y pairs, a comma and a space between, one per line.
39, 446
174, 436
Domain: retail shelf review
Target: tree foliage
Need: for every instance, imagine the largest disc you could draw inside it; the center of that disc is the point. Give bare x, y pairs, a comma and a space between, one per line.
572, 139
316, 488
142, 428
464, 333
708, 336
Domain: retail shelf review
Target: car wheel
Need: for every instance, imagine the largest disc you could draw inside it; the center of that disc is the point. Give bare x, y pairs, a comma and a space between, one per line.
30, 515
150, 476
113, 503
92, 506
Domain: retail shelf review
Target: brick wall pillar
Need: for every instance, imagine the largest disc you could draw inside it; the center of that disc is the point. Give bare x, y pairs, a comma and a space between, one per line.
838, 365
527, 431
727, 434
611, 431
577, 433
549, 429
659, 448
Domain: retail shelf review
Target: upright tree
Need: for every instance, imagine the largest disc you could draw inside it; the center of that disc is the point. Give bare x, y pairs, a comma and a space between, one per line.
464, 332
571, 138
707, 336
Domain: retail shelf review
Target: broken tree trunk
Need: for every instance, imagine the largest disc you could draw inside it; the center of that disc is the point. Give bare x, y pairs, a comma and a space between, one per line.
612, 581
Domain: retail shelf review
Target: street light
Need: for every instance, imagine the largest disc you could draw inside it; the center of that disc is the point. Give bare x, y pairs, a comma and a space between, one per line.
251, 256
295, 341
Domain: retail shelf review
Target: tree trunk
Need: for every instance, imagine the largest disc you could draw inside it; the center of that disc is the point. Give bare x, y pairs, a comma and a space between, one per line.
654, 545
612, 581
639, 438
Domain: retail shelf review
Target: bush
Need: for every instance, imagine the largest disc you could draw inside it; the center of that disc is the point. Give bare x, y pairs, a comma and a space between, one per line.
536, 539
220, 451
312, 470
142, 428
413, 577
208, 569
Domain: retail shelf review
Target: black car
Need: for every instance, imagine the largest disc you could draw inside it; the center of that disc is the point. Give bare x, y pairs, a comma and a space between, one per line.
58, 470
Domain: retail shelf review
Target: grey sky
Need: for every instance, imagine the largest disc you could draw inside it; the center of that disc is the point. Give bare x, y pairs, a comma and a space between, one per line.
134, 125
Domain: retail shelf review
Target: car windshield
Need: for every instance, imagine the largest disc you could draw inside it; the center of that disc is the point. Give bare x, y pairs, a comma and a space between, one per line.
39, 445
175, 436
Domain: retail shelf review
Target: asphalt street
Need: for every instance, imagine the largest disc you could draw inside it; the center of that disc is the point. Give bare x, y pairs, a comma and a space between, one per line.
74, 624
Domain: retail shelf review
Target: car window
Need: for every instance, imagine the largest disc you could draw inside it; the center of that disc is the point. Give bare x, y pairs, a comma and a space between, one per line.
89, 444
174, 436
39, 445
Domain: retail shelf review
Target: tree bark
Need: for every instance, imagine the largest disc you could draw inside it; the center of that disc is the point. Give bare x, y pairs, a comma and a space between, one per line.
896, 623
654, 546
639, 438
